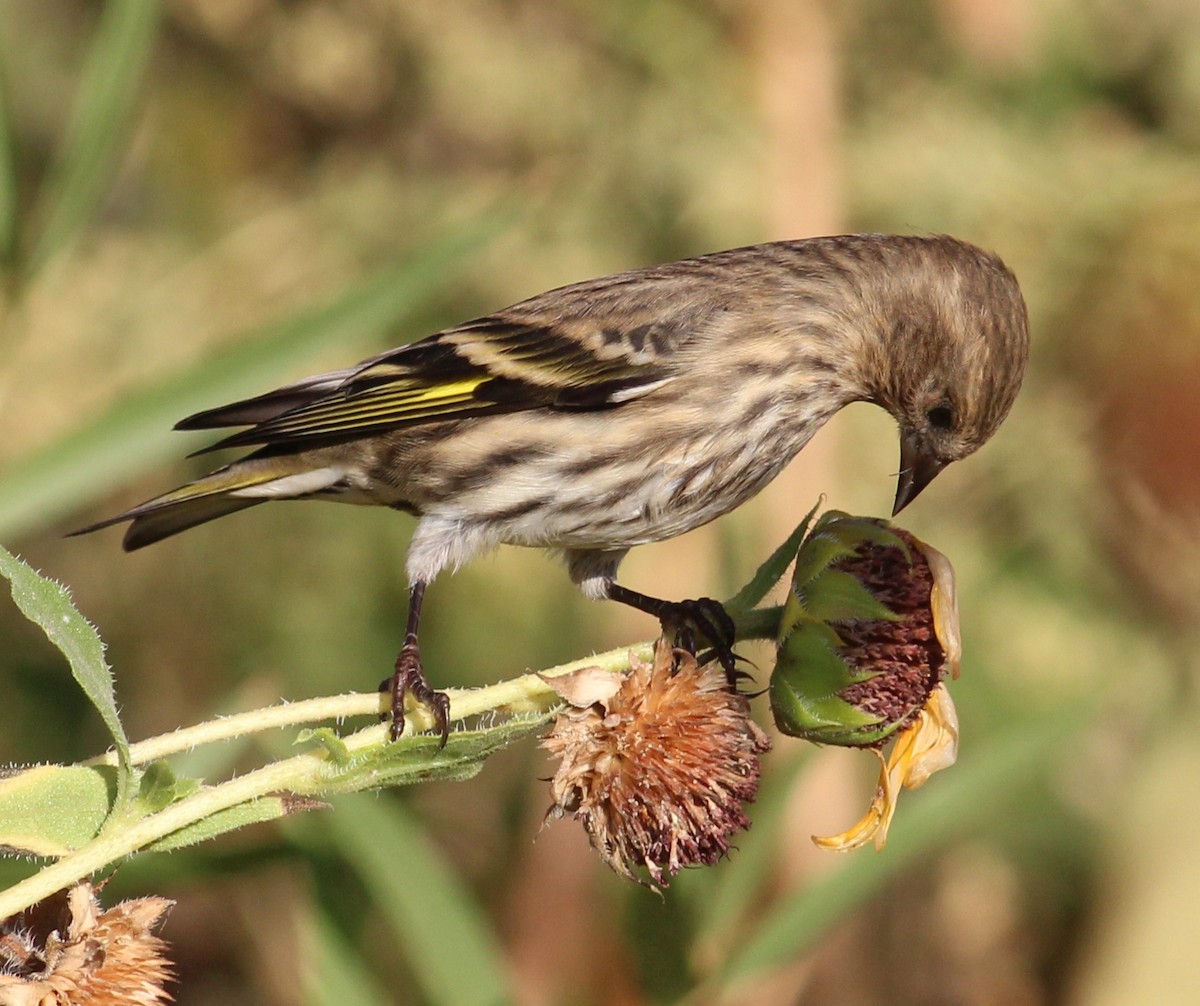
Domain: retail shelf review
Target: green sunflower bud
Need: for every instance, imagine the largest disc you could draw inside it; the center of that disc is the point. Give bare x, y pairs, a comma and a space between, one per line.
868, 630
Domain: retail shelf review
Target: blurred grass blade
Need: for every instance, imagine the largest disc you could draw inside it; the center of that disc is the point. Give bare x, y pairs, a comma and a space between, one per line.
8, 173
136, 432
439, 927
336, 973
48, 604
959, 801
99, 124
721, 900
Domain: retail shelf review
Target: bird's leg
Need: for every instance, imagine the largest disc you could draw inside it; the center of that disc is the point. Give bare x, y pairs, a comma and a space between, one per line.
409, 676
703, 615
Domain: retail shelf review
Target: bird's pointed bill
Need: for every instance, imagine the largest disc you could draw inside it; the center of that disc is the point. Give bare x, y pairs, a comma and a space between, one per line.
918, 467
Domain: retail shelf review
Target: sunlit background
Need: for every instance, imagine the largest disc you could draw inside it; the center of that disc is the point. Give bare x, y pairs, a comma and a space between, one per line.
207, 198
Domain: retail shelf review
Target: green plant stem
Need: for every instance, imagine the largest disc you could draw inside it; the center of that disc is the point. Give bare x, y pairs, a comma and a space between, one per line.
116, 842
313, 773
758, 623
286, 714
309, 774
516, 695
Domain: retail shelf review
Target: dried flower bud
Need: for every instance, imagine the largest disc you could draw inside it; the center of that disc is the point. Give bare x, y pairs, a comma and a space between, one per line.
929, 744
65, 951
656, 764
868, 632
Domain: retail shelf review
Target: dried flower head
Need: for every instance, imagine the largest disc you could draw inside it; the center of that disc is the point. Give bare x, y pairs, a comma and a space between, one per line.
903, 656
656, 764
869, 629
929, 744
65, 951
868, 633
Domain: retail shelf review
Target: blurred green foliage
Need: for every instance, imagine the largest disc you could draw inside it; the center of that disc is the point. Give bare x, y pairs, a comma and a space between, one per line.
201, 198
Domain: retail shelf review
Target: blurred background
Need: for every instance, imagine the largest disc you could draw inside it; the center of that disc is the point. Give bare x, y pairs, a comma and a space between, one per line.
201, 199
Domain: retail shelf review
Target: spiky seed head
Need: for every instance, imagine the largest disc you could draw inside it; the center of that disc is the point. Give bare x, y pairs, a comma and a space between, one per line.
68, 951
656, 765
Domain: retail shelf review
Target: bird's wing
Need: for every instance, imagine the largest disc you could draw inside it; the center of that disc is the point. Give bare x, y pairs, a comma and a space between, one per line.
502, 363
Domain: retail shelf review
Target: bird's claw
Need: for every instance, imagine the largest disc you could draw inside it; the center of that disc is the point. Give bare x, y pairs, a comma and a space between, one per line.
707, 618
409, 679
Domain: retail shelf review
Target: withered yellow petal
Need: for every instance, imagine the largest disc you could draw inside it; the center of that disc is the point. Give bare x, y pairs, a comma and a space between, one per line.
928, 745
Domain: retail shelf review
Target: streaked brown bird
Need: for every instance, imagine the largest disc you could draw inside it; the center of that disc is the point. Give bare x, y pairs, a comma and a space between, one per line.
629, 409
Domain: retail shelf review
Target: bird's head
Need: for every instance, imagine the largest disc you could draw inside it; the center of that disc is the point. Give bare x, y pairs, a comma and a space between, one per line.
954, 341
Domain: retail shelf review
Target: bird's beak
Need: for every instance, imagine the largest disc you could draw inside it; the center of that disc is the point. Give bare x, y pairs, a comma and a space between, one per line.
918, 466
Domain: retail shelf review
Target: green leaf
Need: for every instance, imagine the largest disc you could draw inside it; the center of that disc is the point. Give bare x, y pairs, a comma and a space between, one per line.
326, 738
837, 596
160, 787
858, 531
771, 571
816, 555
420, 757
51, 810
48, 604
438, 925
805, 685
266, 808
136, 432
837, 536
107, 92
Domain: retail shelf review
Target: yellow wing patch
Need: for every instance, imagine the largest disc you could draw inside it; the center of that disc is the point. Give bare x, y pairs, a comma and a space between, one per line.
386, 404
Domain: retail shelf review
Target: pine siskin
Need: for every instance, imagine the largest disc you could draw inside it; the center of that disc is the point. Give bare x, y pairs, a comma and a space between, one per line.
629, 409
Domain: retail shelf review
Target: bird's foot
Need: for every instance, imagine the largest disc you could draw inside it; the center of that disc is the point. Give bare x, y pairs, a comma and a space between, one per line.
685, 620
409, 679
708, 619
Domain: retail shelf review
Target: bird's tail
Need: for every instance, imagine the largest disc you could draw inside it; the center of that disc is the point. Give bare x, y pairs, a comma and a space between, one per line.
242, 484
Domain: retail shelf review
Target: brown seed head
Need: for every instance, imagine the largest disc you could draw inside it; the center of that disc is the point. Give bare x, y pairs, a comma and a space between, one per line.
868, 630
904, 656
65, 951
656, 765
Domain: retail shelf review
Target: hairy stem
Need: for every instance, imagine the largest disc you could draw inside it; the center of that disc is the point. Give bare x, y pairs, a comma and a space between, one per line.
363, 759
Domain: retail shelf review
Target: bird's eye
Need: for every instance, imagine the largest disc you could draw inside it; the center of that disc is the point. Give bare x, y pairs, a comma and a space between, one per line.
941, 417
